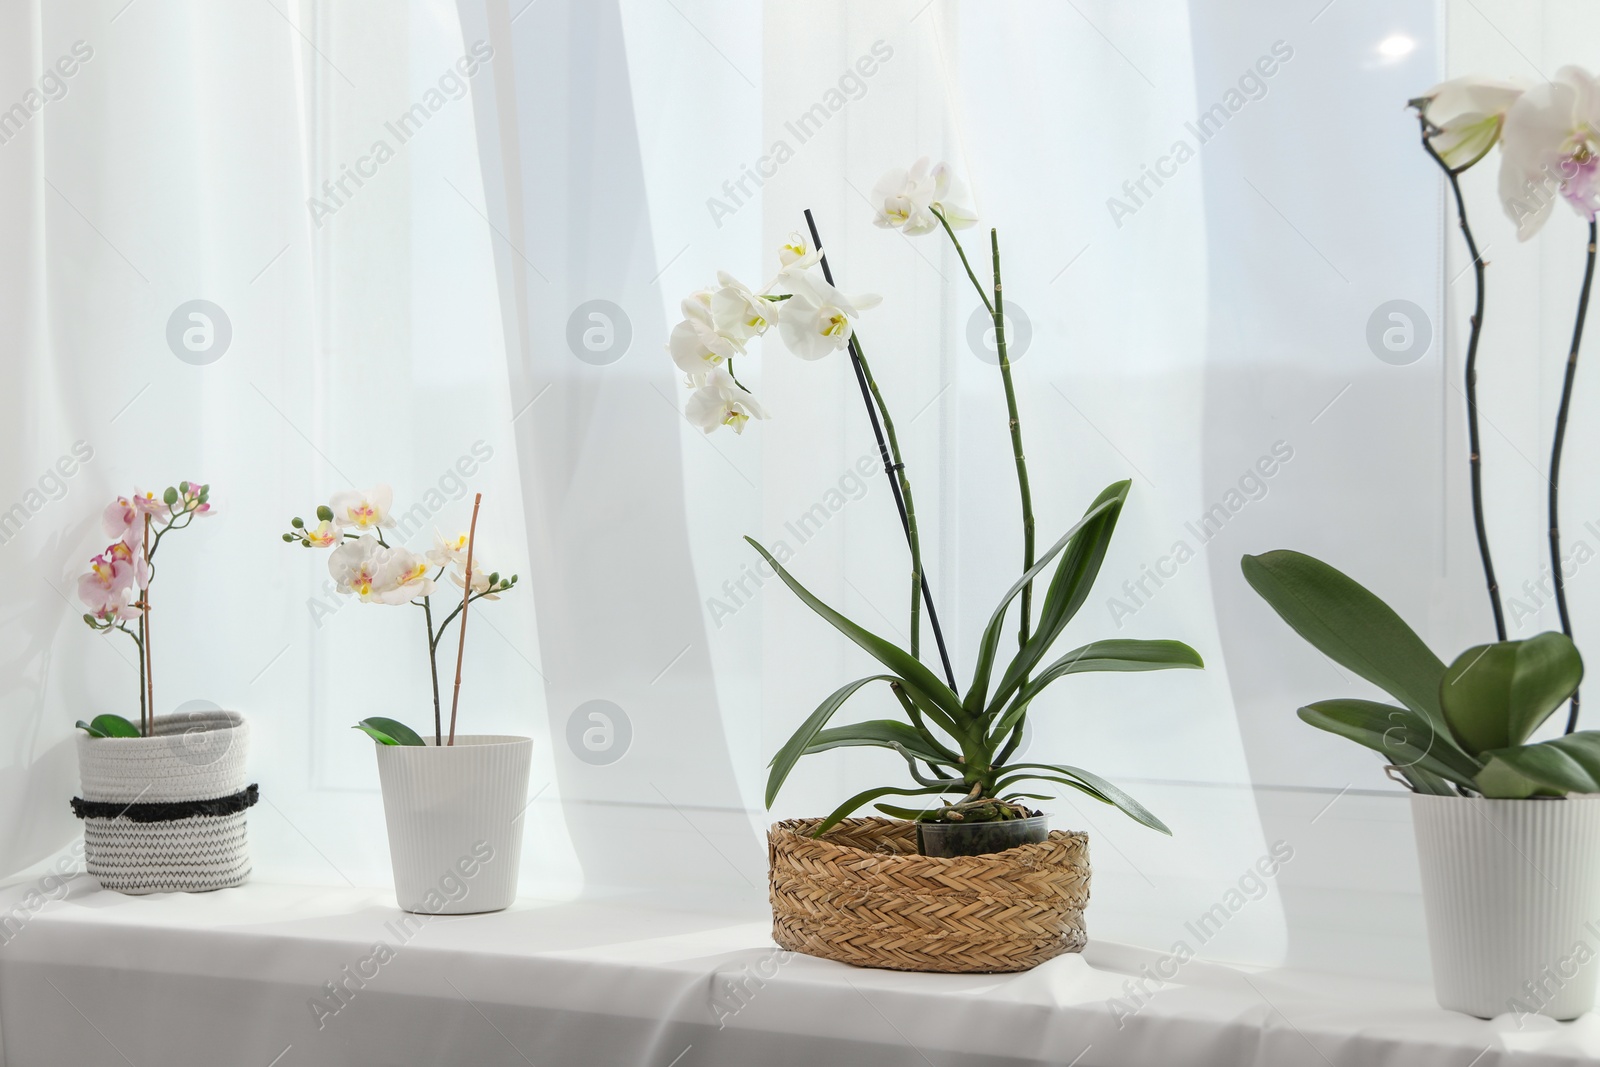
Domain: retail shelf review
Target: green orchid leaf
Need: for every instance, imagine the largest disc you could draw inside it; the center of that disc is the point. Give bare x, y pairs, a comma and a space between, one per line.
1003, 785
1499, 781
869, 795
1069, 588
388, 731
880, 733
1078, 778
1427, 782
990, 642
908, 814
787, 756
910, 671
1567, 764
917, 707
1495, 696
1350, 626
1146, 819
109, 726
1403, 737
1111, 655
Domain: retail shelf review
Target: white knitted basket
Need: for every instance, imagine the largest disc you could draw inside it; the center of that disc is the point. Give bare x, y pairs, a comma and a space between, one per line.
193, 756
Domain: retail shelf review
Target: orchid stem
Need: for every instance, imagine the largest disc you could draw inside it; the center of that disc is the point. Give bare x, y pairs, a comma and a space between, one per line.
433, 667
899, 484
962, 252
1016, 447
1555, 457
997, 313
466, 598
143, 708
1474, 454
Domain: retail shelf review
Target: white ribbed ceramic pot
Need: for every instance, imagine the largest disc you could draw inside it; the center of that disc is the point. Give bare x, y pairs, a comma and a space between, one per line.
166, 813
1512, 893
455, 821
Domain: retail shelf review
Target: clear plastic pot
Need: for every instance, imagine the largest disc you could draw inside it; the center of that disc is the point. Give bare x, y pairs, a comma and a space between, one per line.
979, 838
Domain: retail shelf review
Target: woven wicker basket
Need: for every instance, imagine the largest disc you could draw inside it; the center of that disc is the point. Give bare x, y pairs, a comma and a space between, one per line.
861, 894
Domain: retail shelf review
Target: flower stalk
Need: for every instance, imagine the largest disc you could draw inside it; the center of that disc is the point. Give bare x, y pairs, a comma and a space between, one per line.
116, 588
899, 483
1555, 456
363, 563
1474, 447
996, 310
433, 668
1026, 601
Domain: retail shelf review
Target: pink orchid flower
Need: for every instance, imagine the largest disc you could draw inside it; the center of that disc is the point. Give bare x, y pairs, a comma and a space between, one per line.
149, 504
122, 520
192, 494
104, 590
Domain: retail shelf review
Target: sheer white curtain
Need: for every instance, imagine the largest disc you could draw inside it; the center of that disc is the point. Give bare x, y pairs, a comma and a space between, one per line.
482, 304
233, 155
139, 177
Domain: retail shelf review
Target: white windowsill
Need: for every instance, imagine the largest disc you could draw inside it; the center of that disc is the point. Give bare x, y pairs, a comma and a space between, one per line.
230, 976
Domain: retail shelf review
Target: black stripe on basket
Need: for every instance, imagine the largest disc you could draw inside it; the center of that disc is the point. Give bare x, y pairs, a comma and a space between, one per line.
167, 811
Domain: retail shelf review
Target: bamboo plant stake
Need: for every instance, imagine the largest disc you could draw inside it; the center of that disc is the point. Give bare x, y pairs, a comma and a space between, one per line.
466, 598
149, 717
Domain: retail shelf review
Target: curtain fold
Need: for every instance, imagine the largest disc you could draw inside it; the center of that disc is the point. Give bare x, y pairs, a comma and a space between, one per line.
650, 798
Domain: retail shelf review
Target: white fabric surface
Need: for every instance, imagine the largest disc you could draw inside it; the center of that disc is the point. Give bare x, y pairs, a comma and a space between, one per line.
226, 978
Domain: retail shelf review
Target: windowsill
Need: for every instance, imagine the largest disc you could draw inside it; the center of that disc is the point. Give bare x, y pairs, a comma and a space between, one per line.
230, 977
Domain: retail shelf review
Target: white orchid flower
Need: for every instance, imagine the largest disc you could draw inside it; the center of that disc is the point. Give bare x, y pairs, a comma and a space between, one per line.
452, 553
480, 578
737, 313
1551, 145
357, 567
403, 576
720, 401
797, 252
949, 196
447, 551
906, 199
695, 344
364, 511
1465, 116
815, 320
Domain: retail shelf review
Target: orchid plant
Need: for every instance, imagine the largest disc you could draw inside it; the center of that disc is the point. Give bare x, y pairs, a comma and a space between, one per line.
365, 565
959, 746
116, 589
1463, 729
